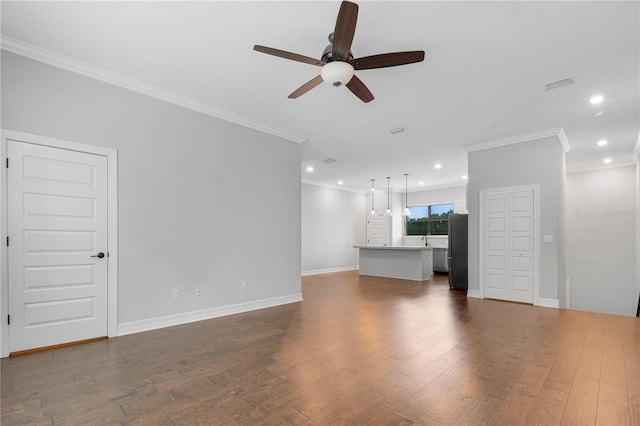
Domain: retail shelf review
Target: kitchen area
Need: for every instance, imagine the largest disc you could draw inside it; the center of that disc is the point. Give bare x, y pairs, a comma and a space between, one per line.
417, 241
341, 234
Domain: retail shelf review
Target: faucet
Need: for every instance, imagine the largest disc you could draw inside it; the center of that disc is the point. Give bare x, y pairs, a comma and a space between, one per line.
426, 242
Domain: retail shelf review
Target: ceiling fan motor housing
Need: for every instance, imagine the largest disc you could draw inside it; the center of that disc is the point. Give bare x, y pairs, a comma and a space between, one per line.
327, 53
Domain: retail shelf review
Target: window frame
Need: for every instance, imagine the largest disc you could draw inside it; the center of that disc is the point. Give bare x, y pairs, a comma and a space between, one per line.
429, 221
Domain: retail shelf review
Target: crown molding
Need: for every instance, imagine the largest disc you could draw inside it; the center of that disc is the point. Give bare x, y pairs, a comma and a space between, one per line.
339, 188
435, 187
527, 137
383, 189
98, 73
603, 167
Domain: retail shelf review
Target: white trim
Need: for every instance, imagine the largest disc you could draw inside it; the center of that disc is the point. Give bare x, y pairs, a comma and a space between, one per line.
434, 188
564, 141
600, 167
475, 294
55, 59
112, 224
393, 191
636, 151
204, 314
338, 187
548, 303
527, 137
536, 236
4, 262
328, 270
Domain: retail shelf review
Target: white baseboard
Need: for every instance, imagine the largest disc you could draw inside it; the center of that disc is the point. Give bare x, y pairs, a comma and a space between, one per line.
548, 303
204, 314
474, 293
328, 270
545, 303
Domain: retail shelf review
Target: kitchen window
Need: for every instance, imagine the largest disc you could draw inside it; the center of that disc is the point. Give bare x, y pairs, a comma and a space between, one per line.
429, 220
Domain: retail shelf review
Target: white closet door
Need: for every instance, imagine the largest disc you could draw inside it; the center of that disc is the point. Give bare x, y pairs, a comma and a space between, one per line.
508, 245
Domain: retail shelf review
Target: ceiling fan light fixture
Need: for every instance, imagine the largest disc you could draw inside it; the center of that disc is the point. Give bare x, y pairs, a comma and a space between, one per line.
337, 73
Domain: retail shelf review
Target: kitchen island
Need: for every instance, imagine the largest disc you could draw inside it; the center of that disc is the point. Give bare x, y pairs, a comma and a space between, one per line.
403, 262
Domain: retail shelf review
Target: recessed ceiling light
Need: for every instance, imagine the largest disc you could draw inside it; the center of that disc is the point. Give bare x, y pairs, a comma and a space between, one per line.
464, 177
606, 160
437, 166
421, 182
598, 114
602, 142
309, 169
596, 99
340, 182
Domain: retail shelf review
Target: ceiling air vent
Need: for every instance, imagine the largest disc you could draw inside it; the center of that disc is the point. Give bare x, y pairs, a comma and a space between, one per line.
329, 160
558, 83
397, 130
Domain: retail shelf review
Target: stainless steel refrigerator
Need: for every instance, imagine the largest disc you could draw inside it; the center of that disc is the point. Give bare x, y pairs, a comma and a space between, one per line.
458, 251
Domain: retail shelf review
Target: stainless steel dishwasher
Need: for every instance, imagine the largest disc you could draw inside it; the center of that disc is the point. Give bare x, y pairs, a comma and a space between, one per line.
440, 263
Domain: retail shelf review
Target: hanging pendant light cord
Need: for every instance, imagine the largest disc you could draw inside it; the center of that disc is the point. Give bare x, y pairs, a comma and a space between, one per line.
373, 211
406, 211
388, 196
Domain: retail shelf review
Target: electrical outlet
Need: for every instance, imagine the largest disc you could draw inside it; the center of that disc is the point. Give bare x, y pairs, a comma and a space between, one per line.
243, 285
198, 291
175, 294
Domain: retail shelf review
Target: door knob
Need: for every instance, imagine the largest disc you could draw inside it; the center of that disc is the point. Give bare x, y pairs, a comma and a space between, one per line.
99, 255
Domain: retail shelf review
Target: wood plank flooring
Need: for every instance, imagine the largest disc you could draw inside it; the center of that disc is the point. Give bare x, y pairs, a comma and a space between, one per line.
358, 350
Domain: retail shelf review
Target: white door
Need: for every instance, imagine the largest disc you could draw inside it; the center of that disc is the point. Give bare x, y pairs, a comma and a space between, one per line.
378, 230
508, 245
57, 226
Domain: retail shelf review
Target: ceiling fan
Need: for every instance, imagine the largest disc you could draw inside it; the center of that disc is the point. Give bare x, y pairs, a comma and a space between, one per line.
337, 61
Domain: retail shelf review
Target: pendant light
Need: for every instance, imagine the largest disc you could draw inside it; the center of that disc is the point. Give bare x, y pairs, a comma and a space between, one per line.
388, 212
373, 191
406, 211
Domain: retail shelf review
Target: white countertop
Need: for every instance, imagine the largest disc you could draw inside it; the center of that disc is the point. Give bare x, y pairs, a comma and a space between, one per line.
395, 247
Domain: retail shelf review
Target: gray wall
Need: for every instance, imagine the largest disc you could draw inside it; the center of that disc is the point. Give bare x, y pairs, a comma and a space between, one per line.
601, 240
333, 220
202, 202
535, 162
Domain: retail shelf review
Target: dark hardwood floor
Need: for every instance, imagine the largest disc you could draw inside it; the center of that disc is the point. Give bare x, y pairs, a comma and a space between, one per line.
358, 350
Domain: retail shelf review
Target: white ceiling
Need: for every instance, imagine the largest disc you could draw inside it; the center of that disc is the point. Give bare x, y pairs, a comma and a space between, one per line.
481, 80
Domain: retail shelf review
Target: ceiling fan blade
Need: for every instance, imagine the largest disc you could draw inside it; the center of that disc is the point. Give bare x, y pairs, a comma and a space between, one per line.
344, 31
358, 88
288, 55
387, 60
306, 87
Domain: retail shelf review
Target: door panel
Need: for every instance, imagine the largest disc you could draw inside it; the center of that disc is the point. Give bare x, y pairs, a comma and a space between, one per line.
57, 220
496, 281
508, 250
378, 230
49, 205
